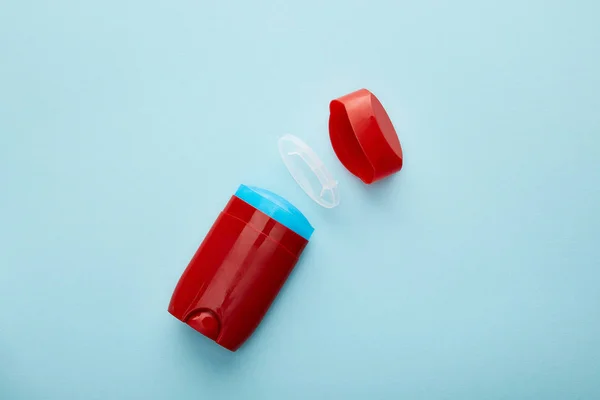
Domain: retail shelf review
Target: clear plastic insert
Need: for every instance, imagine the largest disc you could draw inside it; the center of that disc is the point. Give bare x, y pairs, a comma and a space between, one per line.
308, 171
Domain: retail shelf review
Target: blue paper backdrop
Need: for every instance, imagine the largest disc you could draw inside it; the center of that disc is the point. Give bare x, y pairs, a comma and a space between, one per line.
473, 274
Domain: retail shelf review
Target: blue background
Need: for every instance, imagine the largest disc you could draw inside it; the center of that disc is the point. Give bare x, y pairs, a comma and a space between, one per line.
473, 274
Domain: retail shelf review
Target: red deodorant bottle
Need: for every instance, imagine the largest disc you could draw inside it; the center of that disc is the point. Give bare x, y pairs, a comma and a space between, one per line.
240, 266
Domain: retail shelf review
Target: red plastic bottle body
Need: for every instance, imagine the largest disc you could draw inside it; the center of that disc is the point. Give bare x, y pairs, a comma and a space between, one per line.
236, 274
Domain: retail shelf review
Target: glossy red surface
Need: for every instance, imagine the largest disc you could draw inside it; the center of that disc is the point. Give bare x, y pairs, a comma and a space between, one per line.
363, 136
235, 274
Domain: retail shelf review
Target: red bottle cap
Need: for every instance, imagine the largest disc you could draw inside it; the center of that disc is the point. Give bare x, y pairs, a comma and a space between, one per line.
363, 137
